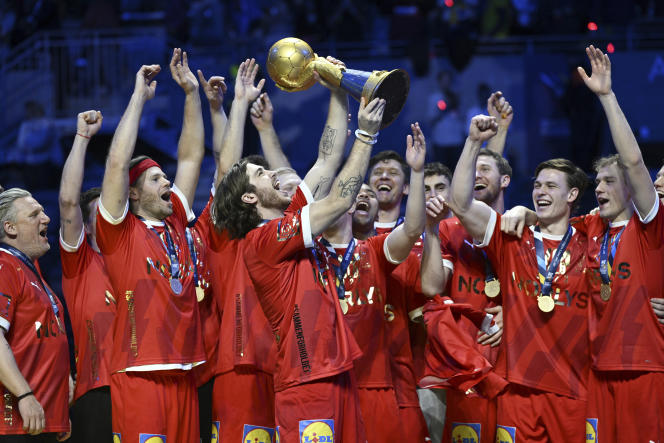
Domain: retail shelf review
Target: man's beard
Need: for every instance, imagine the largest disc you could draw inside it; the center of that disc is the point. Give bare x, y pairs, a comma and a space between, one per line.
272, 199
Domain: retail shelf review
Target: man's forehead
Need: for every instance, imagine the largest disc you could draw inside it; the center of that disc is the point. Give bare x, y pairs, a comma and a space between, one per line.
487, 160
550, 174
436, 179
26, 204
366, 188
387, 163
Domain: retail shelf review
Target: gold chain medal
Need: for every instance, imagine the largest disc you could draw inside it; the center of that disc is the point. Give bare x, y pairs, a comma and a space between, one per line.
545, 303
492, 288
605, 291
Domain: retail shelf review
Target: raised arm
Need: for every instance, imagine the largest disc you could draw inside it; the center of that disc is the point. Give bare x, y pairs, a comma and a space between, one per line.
191, 146
638, 177
401, 240
346, 185
261, 114
332, 142
245, 93
115, 186
214, 90
501, 110
473, 214
71, 220
433, 275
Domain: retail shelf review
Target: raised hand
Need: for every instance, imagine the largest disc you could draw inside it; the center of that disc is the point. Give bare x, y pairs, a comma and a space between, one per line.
436, 210
261, 112
600, 80
214, 89
88, 123
181, 73
320, 80
513, 221
416, 148
145, 85
500, 108
370, 116
244, 82
482, 128
493, 340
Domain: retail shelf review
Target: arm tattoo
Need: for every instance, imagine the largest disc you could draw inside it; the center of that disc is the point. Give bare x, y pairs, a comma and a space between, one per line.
322, 188
327, 141
350, 187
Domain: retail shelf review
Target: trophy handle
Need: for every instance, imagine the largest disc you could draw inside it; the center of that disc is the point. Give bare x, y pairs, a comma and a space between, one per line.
328, 71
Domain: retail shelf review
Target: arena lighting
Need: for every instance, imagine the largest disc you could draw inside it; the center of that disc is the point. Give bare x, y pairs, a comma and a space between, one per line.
441, 105
449, 3
592, 26
610, 48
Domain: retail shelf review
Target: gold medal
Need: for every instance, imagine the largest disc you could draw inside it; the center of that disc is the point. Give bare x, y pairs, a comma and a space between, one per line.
344, 305
200, 294
605, 291
545, 303
492, 288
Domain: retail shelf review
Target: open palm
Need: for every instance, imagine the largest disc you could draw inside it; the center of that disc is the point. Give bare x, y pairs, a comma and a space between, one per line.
600, 80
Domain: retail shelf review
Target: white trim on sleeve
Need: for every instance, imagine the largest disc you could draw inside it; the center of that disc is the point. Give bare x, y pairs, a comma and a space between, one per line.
107, 215
388, 256
306, 227
490, 226
652, 214
306, 191
448, 264
185, 203
69, 248
162, 367
417, 315
4, 324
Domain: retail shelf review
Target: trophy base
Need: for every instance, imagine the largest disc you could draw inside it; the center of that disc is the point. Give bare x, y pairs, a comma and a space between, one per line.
392, 86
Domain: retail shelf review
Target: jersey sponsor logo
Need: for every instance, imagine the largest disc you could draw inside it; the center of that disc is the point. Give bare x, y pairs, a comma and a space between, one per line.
505, 434
257, 434
277, 438
466, 432
289, 229
389, 312
533, 288
216, 426
591, 430
117, 437
47, 331
151, 438
316, 431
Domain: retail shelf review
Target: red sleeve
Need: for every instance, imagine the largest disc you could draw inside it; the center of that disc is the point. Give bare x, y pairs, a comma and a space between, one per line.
444, 236
652, 228
301, 198
73, 260
408, 272
204, 222
113, 234
10, 294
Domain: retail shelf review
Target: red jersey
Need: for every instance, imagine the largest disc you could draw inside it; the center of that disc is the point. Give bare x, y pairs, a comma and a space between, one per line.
545, 351
155, 328
624, 332
468, 275
365, 287
91, 303
39, 344
299, 299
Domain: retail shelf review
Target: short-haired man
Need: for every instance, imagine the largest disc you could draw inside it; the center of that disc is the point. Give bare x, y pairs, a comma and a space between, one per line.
34, 356
544, 292
87, 290
141, 234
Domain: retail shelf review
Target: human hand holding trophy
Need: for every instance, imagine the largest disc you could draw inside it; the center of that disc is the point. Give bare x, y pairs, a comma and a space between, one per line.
291, 63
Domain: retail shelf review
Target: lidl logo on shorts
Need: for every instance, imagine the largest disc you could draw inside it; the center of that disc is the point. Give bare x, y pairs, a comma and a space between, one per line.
505, 434
277, 439
151, 438
316, 431
257, 434
216, 426
591, 430
117, 437
466, 432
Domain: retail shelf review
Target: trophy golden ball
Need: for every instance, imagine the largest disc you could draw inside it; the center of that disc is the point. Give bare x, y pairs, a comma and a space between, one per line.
287, 63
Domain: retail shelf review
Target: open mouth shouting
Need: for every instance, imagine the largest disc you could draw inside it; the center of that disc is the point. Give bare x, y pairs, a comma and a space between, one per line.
543, 203
166, 195
362, 205
479, 186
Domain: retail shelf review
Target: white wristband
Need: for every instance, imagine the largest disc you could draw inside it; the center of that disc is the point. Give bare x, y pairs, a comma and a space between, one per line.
374, 137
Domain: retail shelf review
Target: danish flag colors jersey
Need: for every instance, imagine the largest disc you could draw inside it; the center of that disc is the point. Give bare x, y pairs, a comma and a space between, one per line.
313, 339
624, 332
91, 303
365, 285
155, 328
39, 345
468, 275
545, 351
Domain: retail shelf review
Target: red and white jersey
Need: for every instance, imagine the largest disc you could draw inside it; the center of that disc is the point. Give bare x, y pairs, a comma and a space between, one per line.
313, 339
543, 350
624, 332
91, 303
39, 343
155, 328
466, 285
365, 290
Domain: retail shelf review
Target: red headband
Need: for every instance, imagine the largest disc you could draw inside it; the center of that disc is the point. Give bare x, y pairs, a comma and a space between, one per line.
139, 168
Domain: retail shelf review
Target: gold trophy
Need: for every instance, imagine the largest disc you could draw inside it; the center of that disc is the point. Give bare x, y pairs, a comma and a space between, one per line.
291, 63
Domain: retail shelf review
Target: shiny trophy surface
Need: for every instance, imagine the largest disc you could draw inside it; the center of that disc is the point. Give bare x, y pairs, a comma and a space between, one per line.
291, 63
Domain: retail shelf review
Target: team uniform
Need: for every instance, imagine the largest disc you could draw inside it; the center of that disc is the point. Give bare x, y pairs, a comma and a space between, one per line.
157, 336
244, 360
315, 388
34, 329
626, 341
91, 303
545, 353
468, 264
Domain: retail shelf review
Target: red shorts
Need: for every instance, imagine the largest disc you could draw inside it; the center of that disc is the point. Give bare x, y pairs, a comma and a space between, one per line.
413, 424
625, 406
156, 406
327, 410
241, 398
530, 415
471, 419
380, 414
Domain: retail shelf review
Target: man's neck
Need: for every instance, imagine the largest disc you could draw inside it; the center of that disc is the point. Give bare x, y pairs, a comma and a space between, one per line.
341, 232
555, 227
389, 214
15, 245
363, 232
498, 204
270, 213
626, 214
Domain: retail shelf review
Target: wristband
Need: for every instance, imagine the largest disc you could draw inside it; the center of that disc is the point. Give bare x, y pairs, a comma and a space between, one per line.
84, 136
21, 397
373, 138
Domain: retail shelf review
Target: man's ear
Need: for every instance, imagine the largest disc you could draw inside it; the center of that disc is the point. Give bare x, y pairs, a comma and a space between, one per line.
406, 189
505, 181
10, 229
133, 193
352, 208
572, 195
250, 198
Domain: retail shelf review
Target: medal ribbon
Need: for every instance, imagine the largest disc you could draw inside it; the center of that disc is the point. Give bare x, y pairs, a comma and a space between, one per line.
340, 271
192, 251
170, 250
555, 260
488, 269
606, 260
